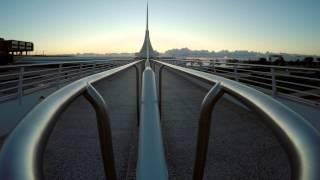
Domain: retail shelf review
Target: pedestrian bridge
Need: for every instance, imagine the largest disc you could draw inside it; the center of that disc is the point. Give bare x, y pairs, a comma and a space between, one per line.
155, 120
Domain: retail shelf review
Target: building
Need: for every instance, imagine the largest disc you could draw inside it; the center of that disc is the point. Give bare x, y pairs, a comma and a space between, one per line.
9, 48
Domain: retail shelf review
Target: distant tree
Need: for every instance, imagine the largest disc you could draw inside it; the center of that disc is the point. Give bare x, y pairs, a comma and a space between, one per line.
233, 60
296, 62
279, 61
318, 59
308, 59
262, 60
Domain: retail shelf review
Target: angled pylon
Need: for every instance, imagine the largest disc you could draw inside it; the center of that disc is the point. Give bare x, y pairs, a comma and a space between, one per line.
147, 47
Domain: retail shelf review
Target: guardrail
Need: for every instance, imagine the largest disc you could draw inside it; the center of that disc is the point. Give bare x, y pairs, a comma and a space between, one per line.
22, 153
300, 84
151, 157
300, 140
19, 80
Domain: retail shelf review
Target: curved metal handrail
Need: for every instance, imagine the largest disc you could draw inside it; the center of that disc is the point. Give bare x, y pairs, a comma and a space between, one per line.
21, 155
298, 137
151, 156
104, 129
20, 80
294, 83
62, 62
247, 64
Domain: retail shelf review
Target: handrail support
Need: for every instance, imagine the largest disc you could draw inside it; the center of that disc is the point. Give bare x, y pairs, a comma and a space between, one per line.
105, 136
20, 84
137, 93
208, 103
160, 88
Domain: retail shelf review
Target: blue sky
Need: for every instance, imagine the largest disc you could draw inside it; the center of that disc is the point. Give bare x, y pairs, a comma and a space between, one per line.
101, 26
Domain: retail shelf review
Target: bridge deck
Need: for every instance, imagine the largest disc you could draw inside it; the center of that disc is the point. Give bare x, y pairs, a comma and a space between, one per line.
241, 147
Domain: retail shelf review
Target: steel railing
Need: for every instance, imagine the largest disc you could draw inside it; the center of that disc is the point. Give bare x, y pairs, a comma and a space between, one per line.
19, 80
21, 154
151, 156
300, 140
295, 83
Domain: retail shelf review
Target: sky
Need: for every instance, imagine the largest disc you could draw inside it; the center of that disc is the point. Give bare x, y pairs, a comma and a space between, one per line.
107, 26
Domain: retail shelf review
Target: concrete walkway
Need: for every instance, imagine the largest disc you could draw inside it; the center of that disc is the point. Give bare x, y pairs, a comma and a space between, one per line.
241, 147
73, 151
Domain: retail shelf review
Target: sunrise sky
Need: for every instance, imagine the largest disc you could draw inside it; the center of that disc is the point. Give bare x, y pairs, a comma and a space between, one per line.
105, 26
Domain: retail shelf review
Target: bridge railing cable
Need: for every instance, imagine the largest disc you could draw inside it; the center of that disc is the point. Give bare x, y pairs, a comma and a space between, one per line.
299, 138
22, 153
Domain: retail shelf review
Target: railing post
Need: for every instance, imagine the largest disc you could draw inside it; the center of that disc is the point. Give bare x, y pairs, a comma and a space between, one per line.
143, 66
137, 93
207, 106
94, 67
235, 70
20, 84
160, 89
105, 136
80, 70
59, 75
214, 66
274, 83
104, 66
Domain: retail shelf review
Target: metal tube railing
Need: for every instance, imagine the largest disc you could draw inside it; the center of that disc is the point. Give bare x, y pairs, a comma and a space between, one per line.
151, 155
105, 136
21, 154
271, 75
160, 88
64, 62
137, 92
244, 64
41, 74
299, 138
207, 105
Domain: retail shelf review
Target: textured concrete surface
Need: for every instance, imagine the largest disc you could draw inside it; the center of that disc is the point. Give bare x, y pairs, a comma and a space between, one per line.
12, 111
73, 151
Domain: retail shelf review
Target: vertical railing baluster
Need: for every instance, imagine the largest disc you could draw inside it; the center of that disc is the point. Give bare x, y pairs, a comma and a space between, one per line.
274, 82
80, 70
208, 103
214, 66
137, 93
59, 76
160, 89
104, 130
20, 84
94, 67
235, 70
